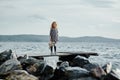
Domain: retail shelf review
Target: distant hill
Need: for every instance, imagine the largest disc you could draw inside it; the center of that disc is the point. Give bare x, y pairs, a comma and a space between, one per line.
45, 38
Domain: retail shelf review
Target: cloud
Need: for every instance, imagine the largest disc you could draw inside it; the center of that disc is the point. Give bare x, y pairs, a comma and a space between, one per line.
74, 17
100, 3
37, 17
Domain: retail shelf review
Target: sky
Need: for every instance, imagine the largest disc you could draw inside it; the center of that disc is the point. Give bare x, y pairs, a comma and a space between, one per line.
75, 18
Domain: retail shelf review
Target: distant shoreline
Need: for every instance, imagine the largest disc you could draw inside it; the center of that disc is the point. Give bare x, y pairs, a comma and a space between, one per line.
45, 38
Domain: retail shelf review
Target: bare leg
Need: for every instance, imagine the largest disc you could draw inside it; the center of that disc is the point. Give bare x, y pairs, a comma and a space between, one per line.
55, 49
51, 48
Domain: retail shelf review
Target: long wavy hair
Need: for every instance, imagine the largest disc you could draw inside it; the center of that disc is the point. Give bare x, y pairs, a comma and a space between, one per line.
54, 25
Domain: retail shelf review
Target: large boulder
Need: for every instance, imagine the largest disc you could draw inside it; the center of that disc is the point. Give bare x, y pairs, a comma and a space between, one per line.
36, 67
6, 55
65, 72
90, 66
20, 75
27, 62
41, 69
98, 72
75, 72
10, 65
59, 73
80, 61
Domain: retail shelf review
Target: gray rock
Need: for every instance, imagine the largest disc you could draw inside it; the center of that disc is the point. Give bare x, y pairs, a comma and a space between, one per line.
65, 72
98, 72
10, 65
113, 75
64, 64
20, 75
90, 66
107, 67
6, 55
80, 61
75, 72
41, 69
28, 63
116, 73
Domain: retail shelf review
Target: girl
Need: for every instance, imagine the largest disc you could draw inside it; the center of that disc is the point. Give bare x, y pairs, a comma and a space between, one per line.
53, 37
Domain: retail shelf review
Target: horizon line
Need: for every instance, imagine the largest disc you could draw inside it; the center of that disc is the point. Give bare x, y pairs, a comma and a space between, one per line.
59, 36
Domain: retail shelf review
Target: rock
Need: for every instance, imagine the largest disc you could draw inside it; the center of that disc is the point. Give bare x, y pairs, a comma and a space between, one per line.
31, 69
107, 67
20, 75
68, 58
113, 75
40, 69
80, 61
86, 78
6, 55
27, 63
10, 65
59, 74
75, 72
98, 72
90, 66
68, 73
48, 72
37, 67
64, 64
43, 68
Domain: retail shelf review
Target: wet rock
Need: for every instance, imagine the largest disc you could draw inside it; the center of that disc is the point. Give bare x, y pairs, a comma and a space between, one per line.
10, 65
6, 55
20, 75
90, 66
80, 61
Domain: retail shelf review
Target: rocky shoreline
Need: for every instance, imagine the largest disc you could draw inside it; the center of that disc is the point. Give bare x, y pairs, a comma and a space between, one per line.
79, 68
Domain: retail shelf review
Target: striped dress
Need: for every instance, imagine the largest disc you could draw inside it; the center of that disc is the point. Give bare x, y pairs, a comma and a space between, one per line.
54, 35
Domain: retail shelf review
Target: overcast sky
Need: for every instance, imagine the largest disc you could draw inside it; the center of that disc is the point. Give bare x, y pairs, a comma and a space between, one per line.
75, 18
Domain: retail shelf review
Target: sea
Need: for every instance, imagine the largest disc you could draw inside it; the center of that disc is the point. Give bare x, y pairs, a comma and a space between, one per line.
108, 51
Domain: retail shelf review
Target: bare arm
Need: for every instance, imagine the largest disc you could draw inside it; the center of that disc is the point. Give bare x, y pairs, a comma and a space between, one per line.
50, 34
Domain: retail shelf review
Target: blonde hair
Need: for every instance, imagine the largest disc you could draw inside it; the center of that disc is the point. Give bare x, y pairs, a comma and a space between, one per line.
54, 26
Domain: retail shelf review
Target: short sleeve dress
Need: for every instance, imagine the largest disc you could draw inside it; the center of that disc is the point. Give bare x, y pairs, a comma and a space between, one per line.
53, 35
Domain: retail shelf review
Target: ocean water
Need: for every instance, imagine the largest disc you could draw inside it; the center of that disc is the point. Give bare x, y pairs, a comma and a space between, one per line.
108, 51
